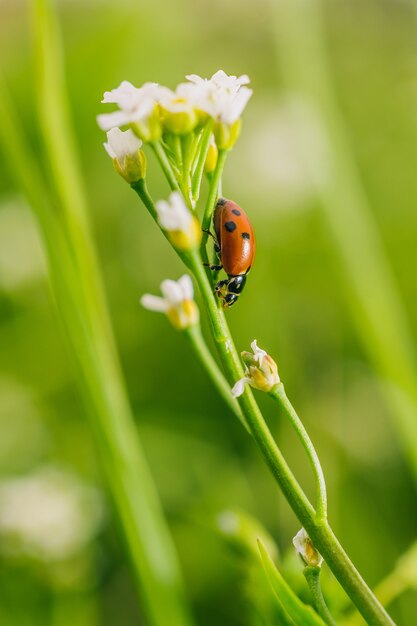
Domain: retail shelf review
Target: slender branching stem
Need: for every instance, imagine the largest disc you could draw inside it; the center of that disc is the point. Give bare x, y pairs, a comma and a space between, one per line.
211, 200
317, 528
278, 393
202, 155
165, 165
313, 521
312, 576
195, 336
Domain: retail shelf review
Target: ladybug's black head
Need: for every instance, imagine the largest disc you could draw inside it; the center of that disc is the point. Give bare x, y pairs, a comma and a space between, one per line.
231, 289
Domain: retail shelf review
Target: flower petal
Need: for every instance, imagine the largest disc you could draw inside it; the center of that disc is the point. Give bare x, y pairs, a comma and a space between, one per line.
172, 292
239, 387
154, 303
186, 285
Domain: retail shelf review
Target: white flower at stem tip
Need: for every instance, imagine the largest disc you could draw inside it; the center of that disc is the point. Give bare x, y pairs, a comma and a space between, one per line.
125, 150
138, 107
178, 110
224, 98
306, 550
261, 371
182, 226
177, 302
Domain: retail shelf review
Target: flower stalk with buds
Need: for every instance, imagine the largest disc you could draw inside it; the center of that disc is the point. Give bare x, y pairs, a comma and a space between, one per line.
200, 117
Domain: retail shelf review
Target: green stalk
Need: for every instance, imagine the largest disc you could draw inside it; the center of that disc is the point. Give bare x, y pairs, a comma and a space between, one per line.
402, 578
79, 296
280, 396
211, 200
202, 155
165, 165
312, 576
195, 337
193, 333
373, 294
317, 528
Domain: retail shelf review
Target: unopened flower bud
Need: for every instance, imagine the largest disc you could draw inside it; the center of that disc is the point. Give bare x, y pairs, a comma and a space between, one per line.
177, 302
183, 228
226, 135
128, 159
306, 550
261, 371
211, 158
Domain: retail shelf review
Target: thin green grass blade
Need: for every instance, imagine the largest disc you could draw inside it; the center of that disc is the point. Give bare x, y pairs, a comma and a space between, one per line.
300, 613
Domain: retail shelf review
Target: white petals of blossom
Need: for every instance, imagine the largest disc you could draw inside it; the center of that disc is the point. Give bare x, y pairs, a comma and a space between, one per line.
239, 387
174, 293
258, 353
121, 143
261, 371
135, 104
182, 100
173, 214
223, 97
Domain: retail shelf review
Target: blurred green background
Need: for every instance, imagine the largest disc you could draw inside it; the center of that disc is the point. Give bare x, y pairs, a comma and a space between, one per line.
70, 567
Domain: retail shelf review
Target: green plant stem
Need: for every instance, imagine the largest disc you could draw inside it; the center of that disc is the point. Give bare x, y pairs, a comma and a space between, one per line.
165, 165
297, 611
211, 200
195, 337
318, 529
312, 576
278, 393
202, 155
81, 303
372, 292
194, 333
402, 578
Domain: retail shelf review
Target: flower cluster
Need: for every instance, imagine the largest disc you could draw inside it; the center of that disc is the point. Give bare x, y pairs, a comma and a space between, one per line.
152, 110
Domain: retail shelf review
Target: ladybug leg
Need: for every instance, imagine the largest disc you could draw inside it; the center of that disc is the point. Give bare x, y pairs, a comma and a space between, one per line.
216, 243
214, 268
220, 287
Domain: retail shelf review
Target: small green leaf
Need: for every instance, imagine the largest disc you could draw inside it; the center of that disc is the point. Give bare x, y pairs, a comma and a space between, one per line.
300, 613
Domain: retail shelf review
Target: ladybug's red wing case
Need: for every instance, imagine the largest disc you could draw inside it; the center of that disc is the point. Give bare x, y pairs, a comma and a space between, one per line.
235, 236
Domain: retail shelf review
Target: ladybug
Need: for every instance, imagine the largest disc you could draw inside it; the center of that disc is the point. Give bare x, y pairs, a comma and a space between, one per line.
235, 246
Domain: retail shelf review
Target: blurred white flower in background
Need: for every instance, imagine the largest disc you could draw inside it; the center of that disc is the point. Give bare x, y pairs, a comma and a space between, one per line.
49, 515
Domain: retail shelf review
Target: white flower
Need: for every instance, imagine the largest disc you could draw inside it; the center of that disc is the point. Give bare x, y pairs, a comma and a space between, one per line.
173, 214
306, 550
223, 97
177, 302
125, 150
121, 143
49, 515
261, 371
221, 81
182, 100
179, 108
135, 104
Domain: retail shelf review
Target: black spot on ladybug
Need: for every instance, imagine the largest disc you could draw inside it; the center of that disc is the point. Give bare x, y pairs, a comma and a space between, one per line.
221, 202
245, 235
236, 212
230, 226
